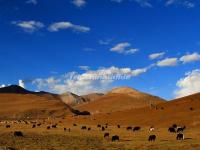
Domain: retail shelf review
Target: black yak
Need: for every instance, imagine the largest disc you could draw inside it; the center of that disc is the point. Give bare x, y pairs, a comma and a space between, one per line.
115, 138
84, 128
106, 135
174, 126
172, 129
152, 138
129, 128
18, 134
102, 128
180, 136
136, 128
33, 126
180, 129
54, 126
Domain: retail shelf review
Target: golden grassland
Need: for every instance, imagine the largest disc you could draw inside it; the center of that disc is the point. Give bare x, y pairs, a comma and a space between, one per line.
40, 138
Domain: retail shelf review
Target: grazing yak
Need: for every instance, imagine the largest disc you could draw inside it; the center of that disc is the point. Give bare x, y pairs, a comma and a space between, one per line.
98, 126
180, 129
10, 148
115, 138
106, 135
152, 138
74, 124
65, 129
136, 128
118, 126
18, 134
89, 128
180, 136
84, 128
103, 129
33, 126
151, 129
129, 128
174, 126
172, 129
54, 126
8, 126
48, 127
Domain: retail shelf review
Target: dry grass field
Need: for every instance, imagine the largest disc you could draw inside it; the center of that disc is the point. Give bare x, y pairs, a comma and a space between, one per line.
40, 138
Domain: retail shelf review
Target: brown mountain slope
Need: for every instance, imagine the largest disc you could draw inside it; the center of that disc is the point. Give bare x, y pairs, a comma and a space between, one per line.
120, 99
31, 106
182, 111
92, 96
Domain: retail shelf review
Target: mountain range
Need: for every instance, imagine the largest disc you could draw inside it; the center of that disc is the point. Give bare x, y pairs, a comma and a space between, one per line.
123, 105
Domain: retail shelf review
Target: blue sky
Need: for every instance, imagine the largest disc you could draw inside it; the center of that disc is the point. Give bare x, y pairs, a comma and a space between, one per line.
155, 42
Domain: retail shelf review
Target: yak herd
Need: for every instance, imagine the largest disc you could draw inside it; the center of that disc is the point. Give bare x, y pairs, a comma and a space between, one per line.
172, 129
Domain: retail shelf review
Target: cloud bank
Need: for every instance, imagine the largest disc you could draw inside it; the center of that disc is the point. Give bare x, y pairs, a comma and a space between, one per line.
79, 3
67, 25
124, 48
189, 84
98, 80
29, 26
167, 62
190, 58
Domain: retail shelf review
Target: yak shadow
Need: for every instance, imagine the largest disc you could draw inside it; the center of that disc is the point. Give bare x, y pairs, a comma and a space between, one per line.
188, 139
127, 140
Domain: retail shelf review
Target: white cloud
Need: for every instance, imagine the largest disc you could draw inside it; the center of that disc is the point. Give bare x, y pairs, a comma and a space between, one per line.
189, 84
2, 86
156, 55
84, 67
142, 3
167, 62
79, 3
120, 47
104, 42
185, 3
190, 58
189, 4
22, 83
34, 2
98, 80
29, 26
124, 48
67, 25
170, 2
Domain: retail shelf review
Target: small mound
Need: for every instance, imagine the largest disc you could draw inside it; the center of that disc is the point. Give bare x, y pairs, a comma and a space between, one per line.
124, 90
14, 89
71, 98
